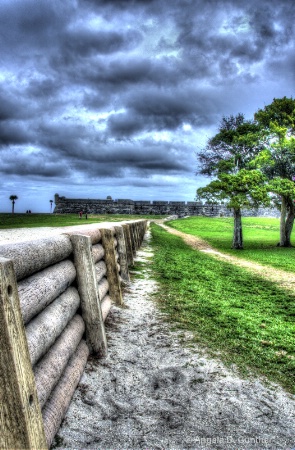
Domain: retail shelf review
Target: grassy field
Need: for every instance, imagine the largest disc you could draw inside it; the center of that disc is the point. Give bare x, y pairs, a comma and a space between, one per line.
60, 220
239, 317
261, 236
244, 319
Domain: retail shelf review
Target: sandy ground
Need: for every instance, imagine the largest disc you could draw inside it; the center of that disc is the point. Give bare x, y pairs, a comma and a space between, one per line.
154, 391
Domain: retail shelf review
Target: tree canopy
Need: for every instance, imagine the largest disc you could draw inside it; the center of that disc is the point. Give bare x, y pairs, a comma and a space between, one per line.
277, 159
251, 158
227, 156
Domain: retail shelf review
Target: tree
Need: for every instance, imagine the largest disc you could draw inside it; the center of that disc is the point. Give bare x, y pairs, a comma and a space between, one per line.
232, 148
51, 201
244, 189
277, 159
13, 198
228, 156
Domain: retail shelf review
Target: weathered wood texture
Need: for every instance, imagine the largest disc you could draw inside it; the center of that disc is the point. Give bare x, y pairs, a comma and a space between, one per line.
59, 400
21, 421
97, 252
88, 290
106, 306
50, 341
127, 235
44, 329
133, 246
40, 289
92, 232
31, 256
49, 370
112, 268
100, 270
136, 236
122, 252
103, 288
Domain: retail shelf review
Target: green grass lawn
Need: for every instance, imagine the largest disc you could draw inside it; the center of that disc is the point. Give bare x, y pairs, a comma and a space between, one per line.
261, 236
244, 319
61, 220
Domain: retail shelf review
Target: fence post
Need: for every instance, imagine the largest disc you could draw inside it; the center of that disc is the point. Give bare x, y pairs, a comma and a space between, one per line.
127, 235
21, 418
90, 301
122, 253
107, 237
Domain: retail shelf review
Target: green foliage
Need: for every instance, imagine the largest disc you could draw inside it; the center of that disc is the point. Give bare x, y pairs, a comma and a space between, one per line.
277, 161
282, 187
267, 145
244, 319
243, 189
260, 238
232, 148
280, 112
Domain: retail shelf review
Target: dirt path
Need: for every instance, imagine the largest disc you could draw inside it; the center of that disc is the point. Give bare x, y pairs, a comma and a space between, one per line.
282, 278
152, 392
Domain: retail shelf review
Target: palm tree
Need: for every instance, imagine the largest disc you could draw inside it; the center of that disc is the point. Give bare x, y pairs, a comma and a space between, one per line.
13, 198
51, 201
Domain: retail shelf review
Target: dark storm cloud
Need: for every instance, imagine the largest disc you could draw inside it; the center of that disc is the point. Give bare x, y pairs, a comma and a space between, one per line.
14, 133
101, 89
84, 42
32, 164
154, 109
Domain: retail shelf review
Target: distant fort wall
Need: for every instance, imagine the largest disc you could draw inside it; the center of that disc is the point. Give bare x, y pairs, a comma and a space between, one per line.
65, 205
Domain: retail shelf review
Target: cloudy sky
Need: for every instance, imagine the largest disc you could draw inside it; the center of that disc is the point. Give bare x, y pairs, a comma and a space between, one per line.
115, 98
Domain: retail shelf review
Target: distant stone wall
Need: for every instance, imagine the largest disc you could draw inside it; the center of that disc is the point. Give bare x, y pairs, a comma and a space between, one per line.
65, 205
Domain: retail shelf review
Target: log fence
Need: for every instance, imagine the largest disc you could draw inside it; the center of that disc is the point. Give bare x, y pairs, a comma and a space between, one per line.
55, 294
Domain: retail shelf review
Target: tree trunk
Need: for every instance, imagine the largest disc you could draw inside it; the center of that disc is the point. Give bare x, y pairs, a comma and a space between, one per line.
238, 236
283, 222
289, 222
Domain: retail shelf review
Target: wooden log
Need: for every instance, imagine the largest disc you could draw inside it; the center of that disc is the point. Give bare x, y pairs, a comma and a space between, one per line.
20, 414
59, 401
103, 288
83, 230
97, 252
31, 256
49, 370
112, 269
100, 270
106, 306
139, 231
121, 248
127, 236
44, 329
88, 290
40, 289
136, 236
133, 246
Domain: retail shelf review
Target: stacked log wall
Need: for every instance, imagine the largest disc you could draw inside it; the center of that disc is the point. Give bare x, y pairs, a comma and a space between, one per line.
55, 296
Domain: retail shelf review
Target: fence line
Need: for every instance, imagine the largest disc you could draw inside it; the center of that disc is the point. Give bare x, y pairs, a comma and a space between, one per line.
55, 294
